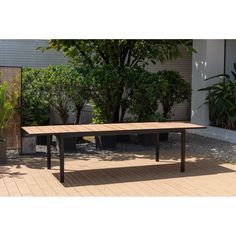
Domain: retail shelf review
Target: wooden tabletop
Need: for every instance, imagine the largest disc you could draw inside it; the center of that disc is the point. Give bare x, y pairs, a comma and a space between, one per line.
118, 128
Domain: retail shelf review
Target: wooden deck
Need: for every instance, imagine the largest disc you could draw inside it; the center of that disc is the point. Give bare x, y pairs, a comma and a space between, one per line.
119, 174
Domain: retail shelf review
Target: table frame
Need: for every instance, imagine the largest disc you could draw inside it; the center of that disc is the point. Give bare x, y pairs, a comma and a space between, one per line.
61, 148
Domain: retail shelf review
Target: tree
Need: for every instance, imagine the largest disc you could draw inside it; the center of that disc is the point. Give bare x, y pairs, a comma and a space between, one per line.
121, 54
103, 85
35, 103
145, 92
79, 92
65, 90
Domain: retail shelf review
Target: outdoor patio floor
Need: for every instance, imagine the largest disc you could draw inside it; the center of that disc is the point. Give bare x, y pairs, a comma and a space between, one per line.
118, 174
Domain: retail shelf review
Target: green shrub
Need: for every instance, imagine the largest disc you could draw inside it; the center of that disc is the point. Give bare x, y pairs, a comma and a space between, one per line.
55, 87
144, 95
35, 103
65, 90
148, 89
173, 90
222, 101
104, 84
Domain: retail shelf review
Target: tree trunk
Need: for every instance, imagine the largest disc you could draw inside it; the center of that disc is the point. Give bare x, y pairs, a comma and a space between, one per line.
166, 110
64, 119
123, 110
124, 107
79, 108
64, 116
116, 117
124, 103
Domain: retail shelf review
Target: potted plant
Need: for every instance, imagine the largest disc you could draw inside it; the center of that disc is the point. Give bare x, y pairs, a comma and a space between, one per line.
7, 103
144, 95
171, 89
104, 84
58, 87
221, 99
65, 93
79, 94
35, 105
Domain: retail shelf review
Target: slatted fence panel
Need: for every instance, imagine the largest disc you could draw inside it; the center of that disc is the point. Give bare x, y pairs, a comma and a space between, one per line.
13, 131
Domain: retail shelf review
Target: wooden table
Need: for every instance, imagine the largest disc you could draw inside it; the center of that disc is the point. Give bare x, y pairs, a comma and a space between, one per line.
109, 129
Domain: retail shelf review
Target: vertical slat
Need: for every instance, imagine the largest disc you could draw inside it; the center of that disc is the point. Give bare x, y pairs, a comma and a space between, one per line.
182, 168
61, 150
49, 139
157, 146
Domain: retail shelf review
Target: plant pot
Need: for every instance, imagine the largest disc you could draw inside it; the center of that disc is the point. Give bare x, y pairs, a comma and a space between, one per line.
150, 139
106, 142
41, 140
29, 145
147, 139
164, 136
3, 152
69, 143
123, 138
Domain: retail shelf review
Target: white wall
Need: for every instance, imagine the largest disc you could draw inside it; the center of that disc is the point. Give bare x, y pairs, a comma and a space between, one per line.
207, 62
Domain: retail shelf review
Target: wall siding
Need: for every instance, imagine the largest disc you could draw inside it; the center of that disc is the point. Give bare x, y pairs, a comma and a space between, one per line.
23, 52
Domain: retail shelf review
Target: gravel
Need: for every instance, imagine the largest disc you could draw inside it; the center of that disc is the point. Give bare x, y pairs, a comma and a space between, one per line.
196, 145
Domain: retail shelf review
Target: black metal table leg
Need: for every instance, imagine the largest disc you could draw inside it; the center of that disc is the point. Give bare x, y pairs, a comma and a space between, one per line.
157, 147
61, 151
182, 168
49, 139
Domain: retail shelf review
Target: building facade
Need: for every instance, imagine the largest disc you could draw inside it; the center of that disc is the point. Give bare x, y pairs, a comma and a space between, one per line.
213, 57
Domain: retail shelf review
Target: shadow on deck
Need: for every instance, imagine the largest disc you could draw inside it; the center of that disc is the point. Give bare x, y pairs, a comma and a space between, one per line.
140, 173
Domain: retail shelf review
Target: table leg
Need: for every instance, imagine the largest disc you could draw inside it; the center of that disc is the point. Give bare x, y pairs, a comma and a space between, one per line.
61, 151
157, 147
182, 168
49, 139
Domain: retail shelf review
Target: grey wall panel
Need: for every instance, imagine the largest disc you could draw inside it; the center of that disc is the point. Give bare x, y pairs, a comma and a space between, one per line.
230, 56
23, 53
